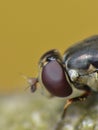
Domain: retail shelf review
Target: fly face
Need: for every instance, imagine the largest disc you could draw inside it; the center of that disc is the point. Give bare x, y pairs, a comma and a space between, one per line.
52, 74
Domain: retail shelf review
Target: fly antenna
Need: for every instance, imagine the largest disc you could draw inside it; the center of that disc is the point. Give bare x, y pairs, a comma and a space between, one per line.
31, 81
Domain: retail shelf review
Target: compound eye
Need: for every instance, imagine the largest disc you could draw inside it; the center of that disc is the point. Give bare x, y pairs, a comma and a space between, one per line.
54, 79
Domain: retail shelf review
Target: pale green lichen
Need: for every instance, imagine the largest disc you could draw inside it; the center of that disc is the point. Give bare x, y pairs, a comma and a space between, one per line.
37, 112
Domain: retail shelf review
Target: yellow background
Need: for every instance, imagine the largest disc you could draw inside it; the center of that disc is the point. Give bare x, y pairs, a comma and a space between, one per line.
28, 28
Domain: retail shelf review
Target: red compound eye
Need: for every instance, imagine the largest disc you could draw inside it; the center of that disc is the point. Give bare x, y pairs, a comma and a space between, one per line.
54, 79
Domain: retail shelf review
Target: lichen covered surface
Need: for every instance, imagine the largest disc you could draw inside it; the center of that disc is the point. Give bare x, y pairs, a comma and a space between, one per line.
37, 112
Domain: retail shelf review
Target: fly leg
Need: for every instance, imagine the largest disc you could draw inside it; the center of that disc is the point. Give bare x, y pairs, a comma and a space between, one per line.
60, 124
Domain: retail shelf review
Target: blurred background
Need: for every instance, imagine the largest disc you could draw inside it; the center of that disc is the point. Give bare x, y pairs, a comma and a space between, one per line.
30, 28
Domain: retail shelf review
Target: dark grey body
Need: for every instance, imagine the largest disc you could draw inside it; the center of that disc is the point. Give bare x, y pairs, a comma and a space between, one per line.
81, 62
83, 54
